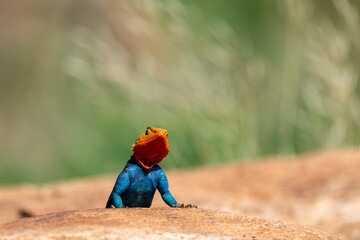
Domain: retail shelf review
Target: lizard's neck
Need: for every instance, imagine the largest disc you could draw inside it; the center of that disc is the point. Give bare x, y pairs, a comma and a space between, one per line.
133, 160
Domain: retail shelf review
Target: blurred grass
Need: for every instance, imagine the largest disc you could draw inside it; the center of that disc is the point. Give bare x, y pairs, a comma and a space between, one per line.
79, 81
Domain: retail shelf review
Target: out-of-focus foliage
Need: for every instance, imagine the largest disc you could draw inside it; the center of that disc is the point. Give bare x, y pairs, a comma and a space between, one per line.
80, 80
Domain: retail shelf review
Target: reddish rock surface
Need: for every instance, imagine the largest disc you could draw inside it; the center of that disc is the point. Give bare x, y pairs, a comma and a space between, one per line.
321, 190
154, 223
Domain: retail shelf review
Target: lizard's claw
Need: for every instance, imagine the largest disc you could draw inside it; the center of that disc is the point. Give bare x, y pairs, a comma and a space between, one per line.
181, 205
190, 206
178, 205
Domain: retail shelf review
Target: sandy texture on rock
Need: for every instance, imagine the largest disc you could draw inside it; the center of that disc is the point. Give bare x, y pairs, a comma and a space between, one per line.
320, 190
154, 223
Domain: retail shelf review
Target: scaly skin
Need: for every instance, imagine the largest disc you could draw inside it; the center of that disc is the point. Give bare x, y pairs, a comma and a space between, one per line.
137, 183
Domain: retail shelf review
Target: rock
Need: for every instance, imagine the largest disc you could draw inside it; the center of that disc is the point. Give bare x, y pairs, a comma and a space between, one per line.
321, 190
154, 223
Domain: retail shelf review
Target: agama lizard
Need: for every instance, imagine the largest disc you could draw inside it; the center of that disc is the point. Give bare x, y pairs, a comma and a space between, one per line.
137, 183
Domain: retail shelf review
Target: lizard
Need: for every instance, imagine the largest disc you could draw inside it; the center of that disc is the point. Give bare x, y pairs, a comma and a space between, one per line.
137, 183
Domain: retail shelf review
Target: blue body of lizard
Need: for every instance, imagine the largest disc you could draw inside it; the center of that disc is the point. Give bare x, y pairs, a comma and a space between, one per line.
136, 186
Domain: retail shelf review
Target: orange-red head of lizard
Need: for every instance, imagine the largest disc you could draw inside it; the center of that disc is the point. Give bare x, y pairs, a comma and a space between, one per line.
151, 147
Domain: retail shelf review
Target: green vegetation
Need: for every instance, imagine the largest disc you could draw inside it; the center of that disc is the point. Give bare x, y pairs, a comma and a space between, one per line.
230, 80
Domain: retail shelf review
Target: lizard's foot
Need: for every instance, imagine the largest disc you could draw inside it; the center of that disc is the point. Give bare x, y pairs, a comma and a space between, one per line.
181, 205
178, 205
190, 206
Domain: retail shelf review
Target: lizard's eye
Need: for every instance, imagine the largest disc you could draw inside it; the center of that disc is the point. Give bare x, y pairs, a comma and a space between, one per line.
147, 132
167, 134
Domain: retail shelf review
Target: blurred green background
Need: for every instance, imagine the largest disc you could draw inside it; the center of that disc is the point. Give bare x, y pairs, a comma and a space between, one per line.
231, 81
